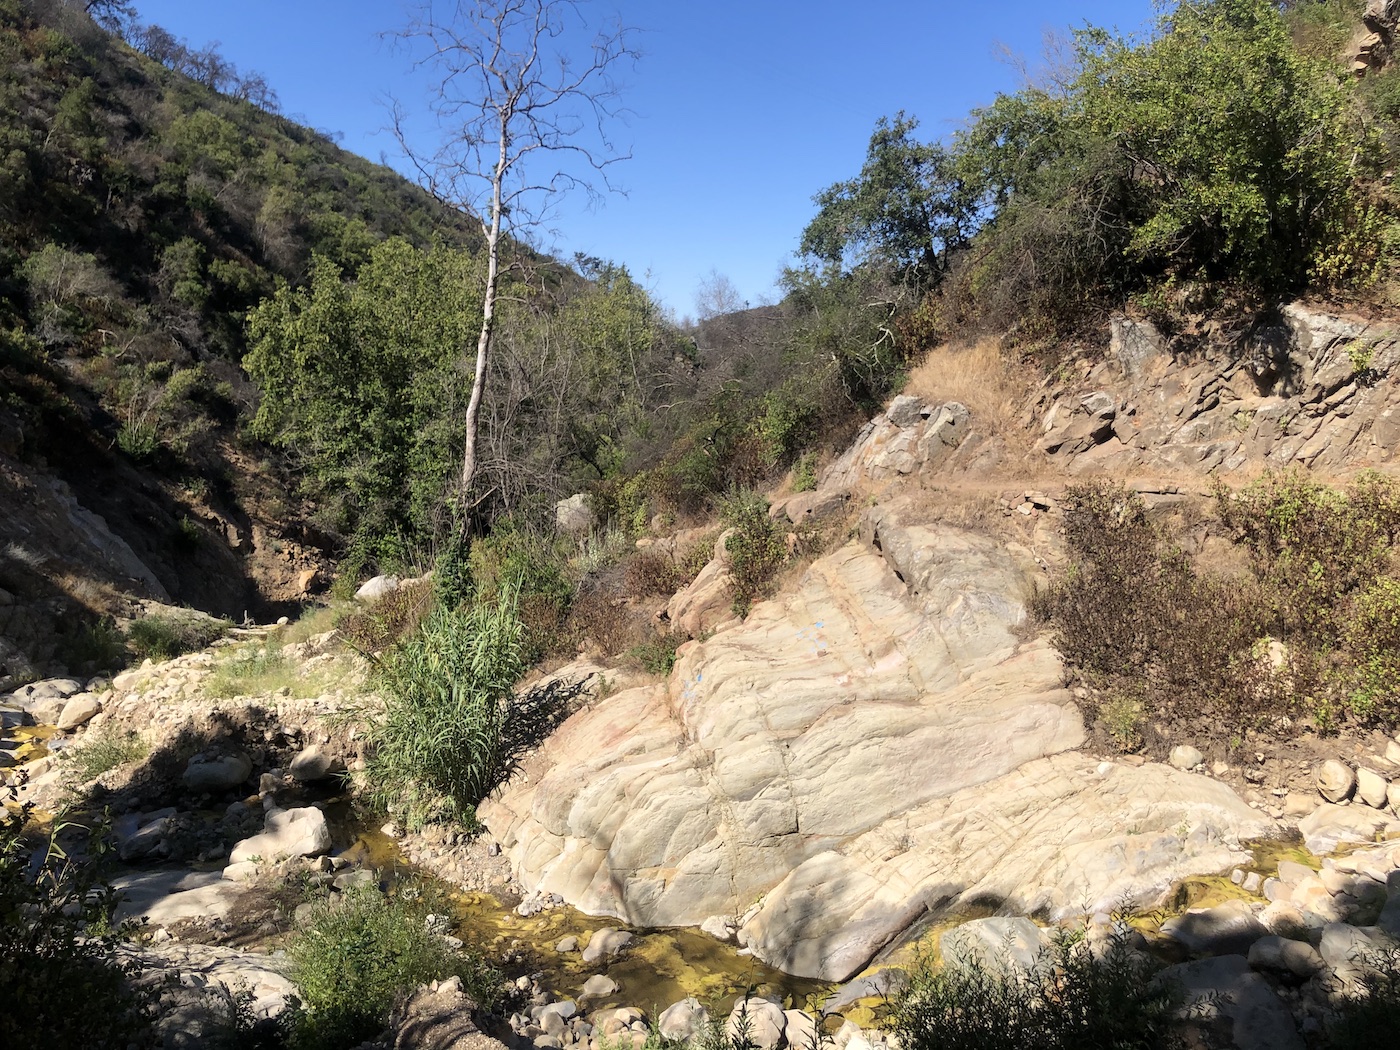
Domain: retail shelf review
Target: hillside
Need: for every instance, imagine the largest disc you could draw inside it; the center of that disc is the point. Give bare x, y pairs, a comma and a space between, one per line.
142, 215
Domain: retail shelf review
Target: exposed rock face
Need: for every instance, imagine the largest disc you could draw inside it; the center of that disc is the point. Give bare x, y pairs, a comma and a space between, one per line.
1317, 390
874, 746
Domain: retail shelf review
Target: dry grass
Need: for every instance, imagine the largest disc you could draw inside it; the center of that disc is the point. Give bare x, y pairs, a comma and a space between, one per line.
979, 376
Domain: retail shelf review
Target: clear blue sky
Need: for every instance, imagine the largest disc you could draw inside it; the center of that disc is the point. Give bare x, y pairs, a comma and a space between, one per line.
743, 108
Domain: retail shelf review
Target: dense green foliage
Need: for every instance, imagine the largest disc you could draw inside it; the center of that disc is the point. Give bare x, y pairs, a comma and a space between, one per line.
1309, 633
1225, 154
57, 965
1075, 997
360, 953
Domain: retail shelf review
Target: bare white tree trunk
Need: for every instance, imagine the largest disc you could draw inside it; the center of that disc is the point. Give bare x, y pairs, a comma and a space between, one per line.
501, 97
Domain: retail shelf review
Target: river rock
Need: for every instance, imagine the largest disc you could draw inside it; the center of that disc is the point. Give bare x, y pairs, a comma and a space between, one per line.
1335, 780
313, 764
78, 710
193, 982
439, 1016
1285, 956
599, 986
720, 927
164, 897
1227, 929
800, 1030
606, 943
1184, 756
1226, 990
288, 833
759, 1022
996, 945
1329, 826
148, 839
566, 945
683, 1021
215, 772
1371, 787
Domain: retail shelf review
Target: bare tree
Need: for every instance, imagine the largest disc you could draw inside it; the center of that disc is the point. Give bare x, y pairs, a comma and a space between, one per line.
520, 122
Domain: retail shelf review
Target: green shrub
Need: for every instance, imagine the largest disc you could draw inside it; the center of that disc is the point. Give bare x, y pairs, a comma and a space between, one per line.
757, 549
1372, 641
1077, 998
164, 636
804, 473
1366, 1018
61, 978
138, 439
98, 644
657, 656
534, 569
103, 750
358, 954
440, 746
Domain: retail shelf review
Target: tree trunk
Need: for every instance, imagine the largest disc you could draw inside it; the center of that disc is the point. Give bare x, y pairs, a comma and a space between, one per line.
488, 325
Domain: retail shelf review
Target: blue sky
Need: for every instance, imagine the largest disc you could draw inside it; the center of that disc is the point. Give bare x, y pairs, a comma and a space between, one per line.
743, 109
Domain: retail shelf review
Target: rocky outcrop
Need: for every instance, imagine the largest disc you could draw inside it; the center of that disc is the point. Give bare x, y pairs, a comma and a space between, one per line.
1314, 389
880, 744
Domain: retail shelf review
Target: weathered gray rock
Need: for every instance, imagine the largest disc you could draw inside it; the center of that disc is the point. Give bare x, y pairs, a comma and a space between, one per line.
314, 764
894, 673
1285, 956
217, 772
1184, 756
1371, 787
606, 943
165, 897
997, 945
1227, 990
683, 1020
440, 1017
599, 986
78, 710
1329, 826
288, 833
1335, 780
377, 587
1227, 929
573, 516
148, 838
760, 1021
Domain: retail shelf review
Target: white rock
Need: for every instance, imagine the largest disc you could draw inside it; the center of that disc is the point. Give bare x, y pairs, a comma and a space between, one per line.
1184, 756
606, 943
377, 587
1335, 780
1371, 787
760, 1021
79, 710
683, 1020
289, 833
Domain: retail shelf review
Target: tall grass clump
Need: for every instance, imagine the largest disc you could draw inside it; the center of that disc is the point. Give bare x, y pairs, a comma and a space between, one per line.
360, 953
441, 745
1074, 998
164, 636
104, 750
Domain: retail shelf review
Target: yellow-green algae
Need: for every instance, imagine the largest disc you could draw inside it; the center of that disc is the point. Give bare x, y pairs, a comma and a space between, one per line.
660, 967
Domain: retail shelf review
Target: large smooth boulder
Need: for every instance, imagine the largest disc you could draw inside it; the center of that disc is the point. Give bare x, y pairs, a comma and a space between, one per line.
288, 833
757, 1023
1335, 780
1227, 929
78, 710
881, 742
1328, 827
